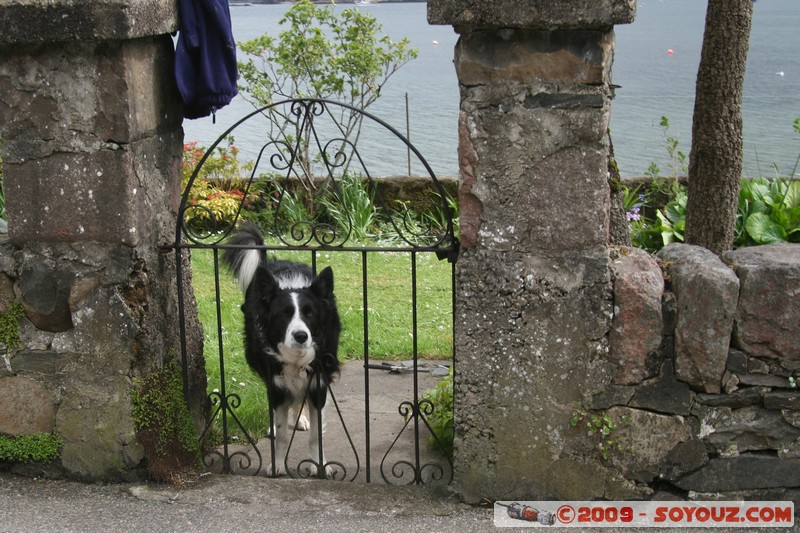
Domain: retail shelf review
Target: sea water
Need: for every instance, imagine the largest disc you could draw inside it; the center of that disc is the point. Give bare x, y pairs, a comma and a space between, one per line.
655, 67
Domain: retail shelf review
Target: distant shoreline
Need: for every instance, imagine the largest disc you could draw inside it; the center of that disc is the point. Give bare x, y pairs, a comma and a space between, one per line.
274, 2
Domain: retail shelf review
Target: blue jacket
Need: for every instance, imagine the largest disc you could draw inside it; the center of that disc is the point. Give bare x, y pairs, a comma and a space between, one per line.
205, 57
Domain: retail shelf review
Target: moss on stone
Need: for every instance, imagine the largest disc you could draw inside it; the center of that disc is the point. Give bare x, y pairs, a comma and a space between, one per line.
36, 448
164, 426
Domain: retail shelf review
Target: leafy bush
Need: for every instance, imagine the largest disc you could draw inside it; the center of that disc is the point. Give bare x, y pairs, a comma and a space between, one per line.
320, 54
769, 211
441, 419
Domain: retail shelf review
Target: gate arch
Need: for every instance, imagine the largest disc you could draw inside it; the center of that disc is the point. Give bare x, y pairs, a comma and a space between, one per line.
308, 155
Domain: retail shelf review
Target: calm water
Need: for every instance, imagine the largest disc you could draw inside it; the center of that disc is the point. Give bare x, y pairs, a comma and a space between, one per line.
653, 84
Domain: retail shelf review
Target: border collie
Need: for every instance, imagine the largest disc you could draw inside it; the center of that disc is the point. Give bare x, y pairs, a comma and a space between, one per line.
291, 328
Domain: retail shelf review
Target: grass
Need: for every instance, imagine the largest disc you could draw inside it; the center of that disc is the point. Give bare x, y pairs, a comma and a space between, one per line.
390, 309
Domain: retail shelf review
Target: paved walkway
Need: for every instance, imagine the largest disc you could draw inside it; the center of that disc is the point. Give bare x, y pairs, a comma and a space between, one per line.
222, 503
255, 503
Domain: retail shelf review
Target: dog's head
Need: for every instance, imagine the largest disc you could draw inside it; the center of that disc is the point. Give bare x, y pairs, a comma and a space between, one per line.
298, 315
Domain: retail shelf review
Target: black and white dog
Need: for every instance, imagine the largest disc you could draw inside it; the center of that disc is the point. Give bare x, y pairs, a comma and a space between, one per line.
291, 334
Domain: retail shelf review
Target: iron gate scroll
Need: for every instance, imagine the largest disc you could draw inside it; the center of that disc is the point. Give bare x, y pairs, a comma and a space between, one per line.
296, 186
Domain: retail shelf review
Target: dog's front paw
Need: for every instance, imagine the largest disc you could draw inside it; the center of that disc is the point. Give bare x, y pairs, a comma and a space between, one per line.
280, 470
310, 469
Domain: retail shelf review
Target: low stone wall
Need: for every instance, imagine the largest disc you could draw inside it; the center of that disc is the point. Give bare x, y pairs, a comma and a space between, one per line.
705, 353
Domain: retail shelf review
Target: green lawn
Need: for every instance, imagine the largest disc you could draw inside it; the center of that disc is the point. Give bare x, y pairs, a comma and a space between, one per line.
389, 291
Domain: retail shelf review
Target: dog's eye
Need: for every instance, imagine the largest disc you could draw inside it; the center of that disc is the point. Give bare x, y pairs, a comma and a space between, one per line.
308, 311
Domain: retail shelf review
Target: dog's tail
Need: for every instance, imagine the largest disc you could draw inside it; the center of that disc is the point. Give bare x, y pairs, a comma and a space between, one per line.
244, 262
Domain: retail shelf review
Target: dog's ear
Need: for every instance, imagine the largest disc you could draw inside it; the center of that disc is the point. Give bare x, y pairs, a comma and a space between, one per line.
322, 286
267, 285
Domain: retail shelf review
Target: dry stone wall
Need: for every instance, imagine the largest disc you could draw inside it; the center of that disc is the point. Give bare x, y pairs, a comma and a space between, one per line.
707, 407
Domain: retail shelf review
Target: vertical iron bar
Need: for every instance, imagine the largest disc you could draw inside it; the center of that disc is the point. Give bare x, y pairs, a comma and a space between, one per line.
365, 305
414, 332
223, 394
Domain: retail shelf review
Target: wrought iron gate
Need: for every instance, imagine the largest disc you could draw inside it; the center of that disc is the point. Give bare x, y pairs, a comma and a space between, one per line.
298, 187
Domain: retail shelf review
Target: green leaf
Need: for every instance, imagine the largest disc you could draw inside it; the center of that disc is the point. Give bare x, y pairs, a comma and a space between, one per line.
763, 230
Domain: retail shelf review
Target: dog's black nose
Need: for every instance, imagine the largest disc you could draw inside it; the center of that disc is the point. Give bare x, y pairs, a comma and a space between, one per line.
300, 336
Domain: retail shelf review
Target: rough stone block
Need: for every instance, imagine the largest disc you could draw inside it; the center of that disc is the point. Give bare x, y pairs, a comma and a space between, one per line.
706, 293
88, 196
66, 111
742, 473
540, 14
751, 428
28, 407
528, 164
31, 21
663, 394
734, 400
769, 302
685, 457
782, 400
525, 356
526, 56
647, 439
636, 328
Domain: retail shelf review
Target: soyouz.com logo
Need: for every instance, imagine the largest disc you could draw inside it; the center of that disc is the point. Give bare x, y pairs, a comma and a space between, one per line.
582, 514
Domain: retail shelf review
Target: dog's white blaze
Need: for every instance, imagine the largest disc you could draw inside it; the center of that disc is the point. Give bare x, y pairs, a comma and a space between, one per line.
293, 281
290, 351
247, 268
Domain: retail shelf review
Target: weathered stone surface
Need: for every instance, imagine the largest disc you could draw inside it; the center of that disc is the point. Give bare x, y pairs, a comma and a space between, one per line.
66, 112
43, 290
611, 396
540, 14
525, 56
663, 394
94, 421
27, 407
734, 400
31, 21
684, 458
647, 439
751, 428
46, 363
763, 380
636, 328
530, 162
769, 301
742, 473
706, 293
782, 400
533, 329
737, 361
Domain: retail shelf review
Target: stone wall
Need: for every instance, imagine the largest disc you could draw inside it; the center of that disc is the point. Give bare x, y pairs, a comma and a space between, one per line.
705, 353
90, 129
534, 302
685, 390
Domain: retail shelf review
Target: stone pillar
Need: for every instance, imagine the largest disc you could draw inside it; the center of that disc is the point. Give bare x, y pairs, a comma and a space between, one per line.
534, 302
91, 140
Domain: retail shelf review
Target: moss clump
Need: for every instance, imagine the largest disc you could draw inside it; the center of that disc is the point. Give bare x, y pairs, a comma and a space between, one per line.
36, 448
164, 426
9, 326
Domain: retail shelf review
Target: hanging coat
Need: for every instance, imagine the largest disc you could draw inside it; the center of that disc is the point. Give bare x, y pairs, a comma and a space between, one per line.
205, 57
